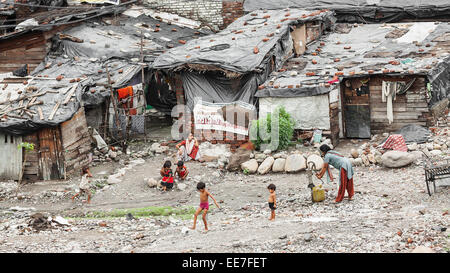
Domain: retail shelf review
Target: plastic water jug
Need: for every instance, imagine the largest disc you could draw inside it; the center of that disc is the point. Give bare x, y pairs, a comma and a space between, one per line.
318, 194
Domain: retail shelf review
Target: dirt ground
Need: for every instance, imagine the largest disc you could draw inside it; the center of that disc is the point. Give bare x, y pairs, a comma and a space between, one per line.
391, 212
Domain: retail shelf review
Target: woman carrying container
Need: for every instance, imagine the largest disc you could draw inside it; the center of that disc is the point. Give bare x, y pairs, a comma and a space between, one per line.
345, 168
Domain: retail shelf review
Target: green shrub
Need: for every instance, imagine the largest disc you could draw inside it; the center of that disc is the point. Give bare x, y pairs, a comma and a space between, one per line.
261, 130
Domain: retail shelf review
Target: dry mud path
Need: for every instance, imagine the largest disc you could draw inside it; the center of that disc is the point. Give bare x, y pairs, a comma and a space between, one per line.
388, 202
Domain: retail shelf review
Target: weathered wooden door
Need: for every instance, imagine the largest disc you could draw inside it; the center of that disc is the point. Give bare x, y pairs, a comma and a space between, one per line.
356, 110
10, 157
51, 159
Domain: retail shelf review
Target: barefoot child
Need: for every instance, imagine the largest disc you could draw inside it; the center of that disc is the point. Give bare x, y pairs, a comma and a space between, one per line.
181, 170
167, 175
204, 205
85, 184
272, 201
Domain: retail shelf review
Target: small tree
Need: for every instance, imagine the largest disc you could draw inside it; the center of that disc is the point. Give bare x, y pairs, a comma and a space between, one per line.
277, 139
28, 147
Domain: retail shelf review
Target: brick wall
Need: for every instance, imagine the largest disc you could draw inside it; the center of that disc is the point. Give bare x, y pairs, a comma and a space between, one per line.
208, 12
216, 13
231, 10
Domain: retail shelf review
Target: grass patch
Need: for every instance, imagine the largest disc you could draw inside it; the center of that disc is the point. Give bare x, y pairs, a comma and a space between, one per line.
184, 212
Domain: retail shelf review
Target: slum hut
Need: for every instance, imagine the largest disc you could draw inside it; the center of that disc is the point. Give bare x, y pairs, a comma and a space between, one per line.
85, 51
365, 11
365, 79
225, 69
25, 37
45, 112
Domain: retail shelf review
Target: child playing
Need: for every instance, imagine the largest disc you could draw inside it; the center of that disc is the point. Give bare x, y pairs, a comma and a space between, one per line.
85, 184
167, 176
181, 170
204, 205
272, 201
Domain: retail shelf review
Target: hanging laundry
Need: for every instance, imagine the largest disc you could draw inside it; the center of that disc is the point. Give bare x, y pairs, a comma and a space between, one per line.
125, 92
388, 91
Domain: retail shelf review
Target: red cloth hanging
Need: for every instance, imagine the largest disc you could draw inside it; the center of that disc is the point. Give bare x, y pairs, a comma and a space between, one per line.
125, 92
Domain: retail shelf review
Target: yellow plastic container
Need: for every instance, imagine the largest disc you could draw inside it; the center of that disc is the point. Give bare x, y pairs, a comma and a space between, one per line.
318, 194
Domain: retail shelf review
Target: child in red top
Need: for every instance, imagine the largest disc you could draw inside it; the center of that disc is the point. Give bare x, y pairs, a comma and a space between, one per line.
167, 175
181, 170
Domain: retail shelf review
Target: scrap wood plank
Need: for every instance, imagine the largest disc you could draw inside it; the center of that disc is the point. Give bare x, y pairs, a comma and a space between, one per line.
41, 115
54, 110
29, 111
69, 95
19, 108
14, 116
70, 89
23, 96
29, 115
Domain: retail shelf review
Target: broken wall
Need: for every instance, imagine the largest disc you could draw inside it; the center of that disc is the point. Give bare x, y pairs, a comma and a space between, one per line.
209, 12
76, 142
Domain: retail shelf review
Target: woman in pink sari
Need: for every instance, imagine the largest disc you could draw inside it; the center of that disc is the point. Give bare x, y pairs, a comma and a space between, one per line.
188, 149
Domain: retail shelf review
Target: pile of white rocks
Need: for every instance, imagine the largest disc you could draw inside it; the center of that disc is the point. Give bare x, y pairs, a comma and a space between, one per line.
265, 162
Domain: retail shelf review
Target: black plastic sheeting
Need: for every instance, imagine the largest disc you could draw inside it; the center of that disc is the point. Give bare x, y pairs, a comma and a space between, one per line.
440, 81
159, 96
115, 46
363, 11
216, 88
414, 133
65, 112
367, 42
237, 55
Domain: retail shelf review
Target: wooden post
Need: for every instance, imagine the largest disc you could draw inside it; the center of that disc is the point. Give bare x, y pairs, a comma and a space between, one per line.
115, 110
143, 83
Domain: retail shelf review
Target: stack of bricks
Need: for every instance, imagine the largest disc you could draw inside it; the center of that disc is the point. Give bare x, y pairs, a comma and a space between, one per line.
231, 10
179, 92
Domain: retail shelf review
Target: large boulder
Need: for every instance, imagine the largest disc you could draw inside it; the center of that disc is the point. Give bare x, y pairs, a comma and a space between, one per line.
266, 166
396, 159
317, 160
236, 159
278, 165
251, 166
295, 163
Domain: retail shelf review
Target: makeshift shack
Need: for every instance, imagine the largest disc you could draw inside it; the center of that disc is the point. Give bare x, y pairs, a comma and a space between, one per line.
225, 69
25, 39
85, 51
46, 113
364, 79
